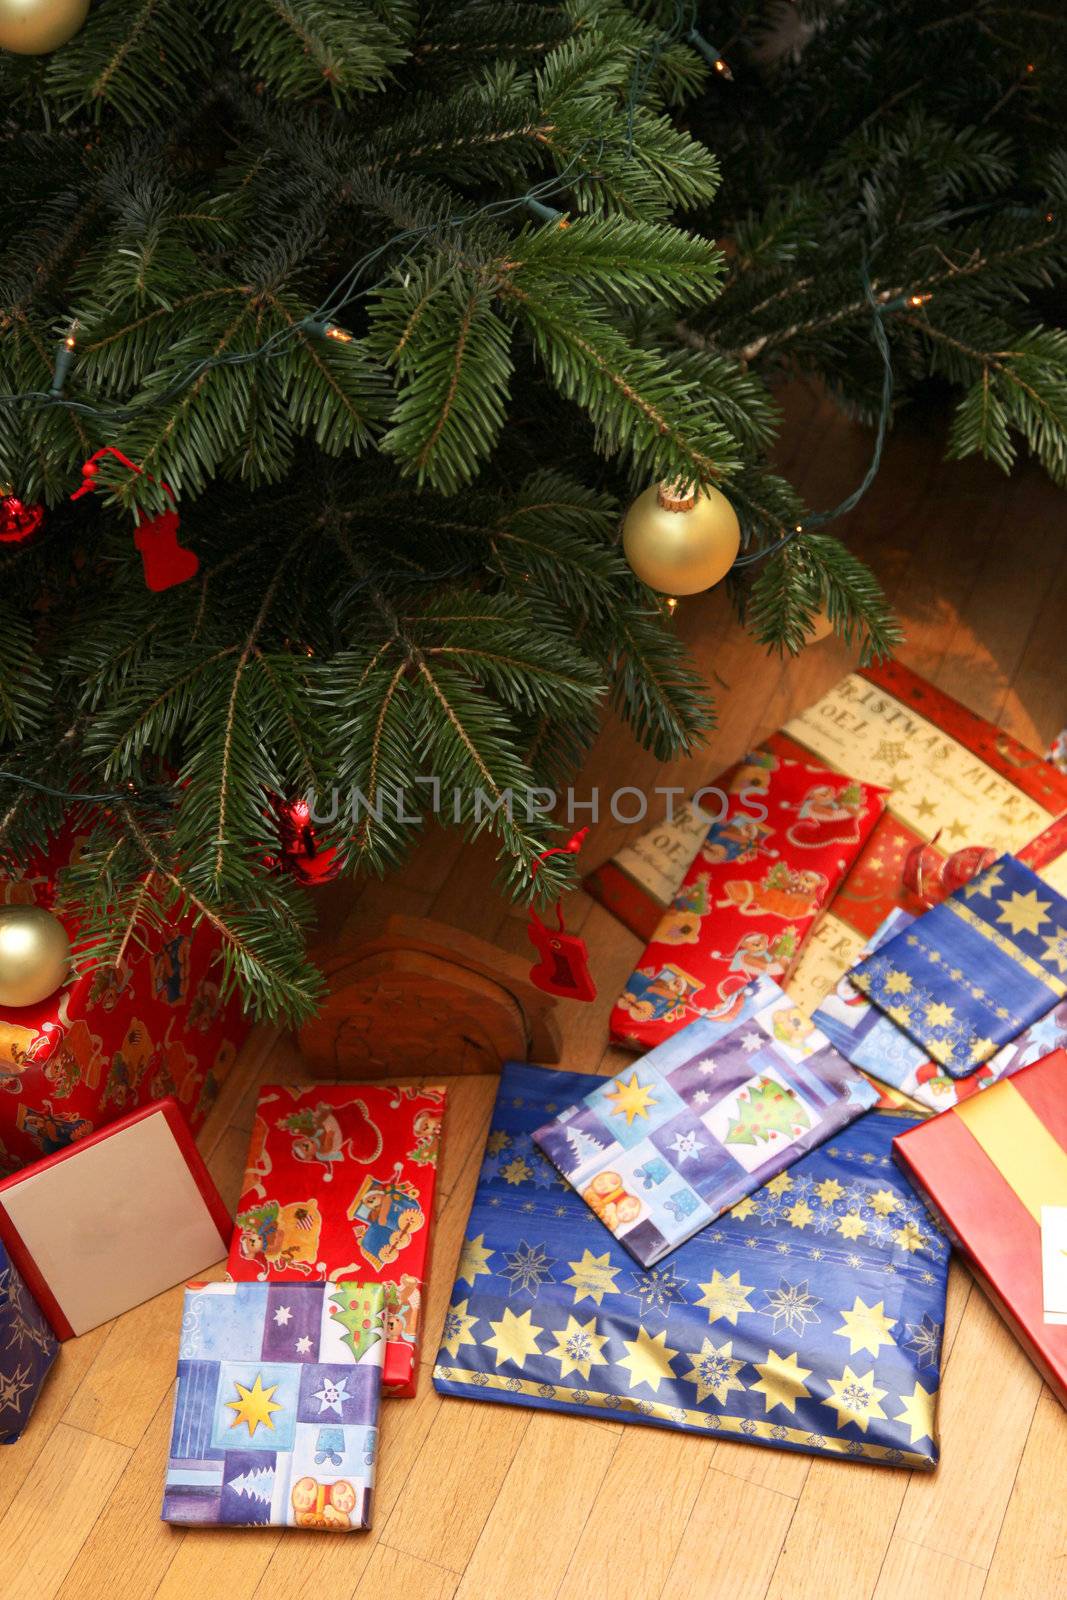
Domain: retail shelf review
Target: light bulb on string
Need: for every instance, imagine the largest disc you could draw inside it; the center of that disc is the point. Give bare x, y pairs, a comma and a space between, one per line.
717, 63
64, 359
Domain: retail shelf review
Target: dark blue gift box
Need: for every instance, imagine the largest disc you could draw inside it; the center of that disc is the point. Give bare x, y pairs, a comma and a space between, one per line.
27, 1349
809, 1317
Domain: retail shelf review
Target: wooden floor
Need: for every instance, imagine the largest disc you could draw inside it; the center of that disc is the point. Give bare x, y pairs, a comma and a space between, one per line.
483, 1502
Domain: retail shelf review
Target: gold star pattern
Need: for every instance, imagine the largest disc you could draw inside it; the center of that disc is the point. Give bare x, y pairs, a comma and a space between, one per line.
474, 1261
908, 1237
517, 1170
779, 1185
800, 1214
578, 1348
901, 1015
940, 1015
851, 1226
883, 1201
980, 1049
866, 1327
514, 1338
725, 1298
828, 1191
254, 1406
985, 883
855, 1399
592, 1277
898, 983
457, 1330
648, 1360
1023, 913
714, 1370
918, 1413
633, 1099
744, 1208
498, 1140
781, 1381
1056, 950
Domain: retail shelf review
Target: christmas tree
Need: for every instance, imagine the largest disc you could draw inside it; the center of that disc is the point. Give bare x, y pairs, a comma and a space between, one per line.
397, 306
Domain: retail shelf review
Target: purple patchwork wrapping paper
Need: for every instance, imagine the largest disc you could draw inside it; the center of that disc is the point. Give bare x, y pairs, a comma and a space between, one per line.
276, 1410
672, 1142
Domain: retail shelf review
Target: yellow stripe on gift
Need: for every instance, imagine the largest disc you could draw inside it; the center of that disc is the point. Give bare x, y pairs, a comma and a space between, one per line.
1019, 1145
1005, 945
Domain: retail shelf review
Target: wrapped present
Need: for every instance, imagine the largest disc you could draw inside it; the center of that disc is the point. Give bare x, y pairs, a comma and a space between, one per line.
671, 1143
276, 1409
28, 1348
113, 1220
867, 1038
973, 972
340, 1185
153, 1027
951, 773
809, 1318
995, 1167
763, 874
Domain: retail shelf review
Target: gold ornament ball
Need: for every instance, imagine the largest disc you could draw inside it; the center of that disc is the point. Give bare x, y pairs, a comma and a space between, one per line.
34, 27
678, 541
34, 955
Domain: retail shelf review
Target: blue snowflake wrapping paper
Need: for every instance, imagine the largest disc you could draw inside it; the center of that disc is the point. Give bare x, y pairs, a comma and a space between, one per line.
675, 1140
809, 1318
968, 976
867, 1038
276, 1409
28, 1348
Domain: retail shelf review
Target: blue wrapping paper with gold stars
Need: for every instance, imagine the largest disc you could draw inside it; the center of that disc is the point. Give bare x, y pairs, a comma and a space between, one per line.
970, 975
28, 1348
276, 1408
808, 1318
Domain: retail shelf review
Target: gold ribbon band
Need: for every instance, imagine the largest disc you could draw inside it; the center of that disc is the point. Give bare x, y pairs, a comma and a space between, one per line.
1019, 1145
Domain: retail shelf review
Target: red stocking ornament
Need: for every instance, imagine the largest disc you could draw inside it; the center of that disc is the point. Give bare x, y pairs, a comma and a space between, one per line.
563, 967
166, 562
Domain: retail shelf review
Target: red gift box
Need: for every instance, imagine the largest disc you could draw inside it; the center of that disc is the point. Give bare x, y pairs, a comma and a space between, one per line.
155, 1026
762, 876
340, 1185
988, 1166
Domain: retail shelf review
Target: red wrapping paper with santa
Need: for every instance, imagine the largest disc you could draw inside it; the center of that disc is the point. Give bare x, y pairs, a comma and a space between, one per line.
152, 1026
340, 1186
767, 868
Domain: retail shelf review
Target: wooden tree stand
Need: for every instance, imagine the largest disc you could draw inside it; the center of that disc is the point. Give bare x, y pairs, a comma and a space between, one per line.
424, 998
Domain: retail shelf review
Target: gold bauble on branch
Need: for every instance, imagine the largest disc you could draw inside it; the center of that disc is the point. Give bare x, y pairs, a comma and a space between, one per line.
34, 27
680, 540
34, 955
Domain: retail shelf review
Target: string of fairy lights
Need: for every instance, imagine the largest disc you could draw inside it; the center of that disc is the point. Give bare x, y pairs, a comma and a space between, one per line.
359, 281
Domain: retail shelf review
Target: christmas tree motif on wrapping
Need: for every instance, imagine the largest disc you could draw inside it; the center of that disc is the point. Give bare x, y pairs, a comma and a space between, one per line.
765, 1108
361, 1312
257, 1484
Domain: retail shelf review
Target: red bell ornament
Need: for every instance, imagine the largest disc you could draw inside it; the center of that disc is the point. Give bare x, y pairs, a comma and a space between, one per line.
19, 521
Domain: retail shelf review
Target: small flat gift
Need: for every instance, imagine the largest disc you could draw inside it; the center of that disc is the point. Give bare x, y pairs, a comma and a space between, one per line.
765, 871
340, 1185
672, 1142
970, 975
28, 1348
867, 1038
995, 1167
808, 1318
113, 1220
276, 1409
